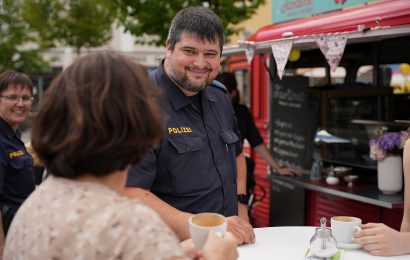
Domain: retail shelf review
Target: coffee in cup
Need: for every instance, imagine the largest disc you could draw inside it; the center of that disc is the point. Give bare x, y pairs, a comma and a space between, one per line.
343, 218
344, 227
200, 225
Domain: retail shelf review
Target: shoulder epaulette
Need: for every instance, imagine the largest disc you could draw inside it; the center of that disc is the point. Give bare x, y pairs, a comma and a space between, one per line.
219, 85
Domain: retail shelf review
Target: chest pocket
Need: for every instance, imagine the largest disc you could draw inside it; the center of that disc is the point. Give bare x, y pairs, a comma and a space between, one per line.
21, 176
230, 138
185, 154
17, 164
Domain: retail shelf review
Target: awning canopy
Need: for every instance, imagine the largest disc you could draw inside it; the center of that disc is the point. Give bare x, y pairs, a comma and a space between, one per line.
308, 42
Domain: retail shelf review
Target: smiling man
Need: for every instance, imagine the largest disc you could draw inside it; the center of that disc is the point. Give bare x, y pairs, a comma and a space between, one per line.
199, 165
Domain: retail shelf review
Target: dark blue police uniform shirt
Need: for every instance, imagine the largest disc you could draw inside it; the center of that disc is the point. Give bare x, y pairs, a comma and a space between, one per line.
194, 167
16, 168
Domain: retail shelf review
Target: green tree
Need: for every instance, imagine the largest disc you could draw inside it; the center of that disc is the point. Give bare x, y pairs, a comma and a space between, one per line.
75, 23
147, 19
18, 45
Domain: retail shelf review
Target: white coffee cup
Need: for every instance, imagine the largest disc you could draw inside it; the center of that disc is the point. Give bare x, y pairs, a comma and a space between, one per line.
344, 227
200, 225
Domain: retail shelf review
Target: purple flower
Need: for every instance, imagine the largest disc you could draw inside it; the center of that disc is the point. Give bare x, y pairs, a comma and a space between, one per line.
387, 143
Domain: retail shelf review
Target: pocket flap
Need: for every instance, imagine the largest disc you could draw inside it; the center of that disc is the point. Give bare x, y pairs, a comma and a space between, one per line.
229, 136
187, 144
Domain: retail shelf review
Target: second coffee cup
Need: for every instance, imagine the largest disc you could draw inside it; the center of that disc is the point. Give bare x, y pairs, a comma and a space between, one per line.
200, 225
344, 227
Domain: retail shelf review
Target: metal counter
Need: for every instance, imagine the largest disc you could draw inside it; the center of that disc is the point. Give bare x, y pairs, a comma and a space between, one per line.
363, 192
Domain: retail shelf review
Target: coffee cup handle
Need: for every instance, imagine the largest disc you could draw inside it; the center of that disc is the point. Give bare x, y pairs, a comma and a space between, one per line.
356, 229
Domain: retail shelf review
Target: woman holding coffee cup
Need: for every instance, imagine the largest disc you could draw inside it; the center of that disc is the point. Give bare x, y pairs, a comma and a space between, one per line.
379, 239
98, 117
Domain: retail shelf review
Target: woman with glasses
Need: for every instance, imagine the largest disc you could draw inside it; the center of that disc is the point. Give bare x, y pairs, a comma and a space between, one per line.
16, 164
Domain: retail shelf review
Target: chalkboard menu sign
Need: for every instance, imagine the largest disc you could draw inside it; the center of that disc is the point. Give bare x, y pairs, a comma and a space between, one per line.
293, 122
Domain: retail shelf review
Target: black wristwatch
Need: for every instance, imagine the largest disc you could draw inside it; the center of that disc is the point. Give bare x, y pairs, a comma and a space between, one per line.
243, 198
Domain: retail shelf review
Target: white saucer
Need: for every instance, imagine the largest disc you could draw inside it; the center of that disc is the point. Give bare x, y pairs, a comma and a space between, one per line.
348, 246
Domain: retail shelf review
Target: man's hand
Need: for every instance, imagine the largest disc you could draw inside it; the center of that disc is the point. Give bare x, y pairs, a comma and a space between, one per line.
287, 171
241, 229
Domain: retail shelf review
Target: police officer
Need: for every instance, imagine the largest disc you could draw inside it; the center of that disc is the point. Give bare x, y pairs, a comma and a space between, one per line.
16, 164
199, 165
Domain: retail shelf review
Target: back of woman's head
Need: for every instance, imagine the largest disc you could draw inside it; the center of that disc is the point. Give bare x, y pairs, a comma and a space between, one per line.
98, 116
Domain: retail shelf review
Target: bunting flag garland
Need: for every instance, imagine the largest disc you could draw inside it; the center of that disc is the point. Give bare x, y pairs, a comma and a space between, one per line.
332, 47
281, 50
249, 51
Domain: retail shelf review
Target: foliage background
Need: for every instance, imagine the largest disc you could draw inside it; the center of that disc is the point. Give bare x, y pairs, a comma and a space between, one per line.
28, 28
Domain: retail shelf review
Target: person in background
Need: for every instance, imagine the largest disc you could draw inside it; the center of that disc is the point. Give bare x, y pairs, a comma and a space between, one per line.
248, 129
97, 118
16, 164
379, 239
199, 165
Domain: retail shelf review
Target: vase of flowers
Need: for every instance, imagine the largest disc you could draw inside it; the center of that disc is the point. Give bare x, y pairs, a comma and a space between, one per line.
387, 148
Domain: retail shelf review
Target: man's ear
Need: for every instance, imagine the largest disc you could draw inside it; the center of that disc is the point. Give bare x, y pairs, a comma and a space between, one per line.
168, 46
168, 49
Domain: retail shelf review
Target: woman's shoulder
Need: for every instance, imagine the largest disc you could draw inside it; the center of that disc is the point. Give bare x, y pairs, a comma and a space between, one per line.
84, 214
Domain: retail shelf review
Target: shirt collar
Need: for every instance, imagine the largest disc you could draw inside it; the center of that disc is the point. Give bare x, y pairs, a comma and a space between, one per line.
6, 129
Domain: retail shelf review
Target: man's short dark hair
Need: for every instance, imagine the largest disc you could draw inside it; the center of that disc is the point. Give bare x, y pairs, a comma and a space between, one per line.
198, 21
98, 116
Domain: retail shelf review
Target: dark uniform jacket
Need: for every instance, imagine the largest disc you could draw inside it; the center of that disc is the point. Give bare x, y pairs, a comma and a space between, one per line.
17, 179
194, 167
16, 168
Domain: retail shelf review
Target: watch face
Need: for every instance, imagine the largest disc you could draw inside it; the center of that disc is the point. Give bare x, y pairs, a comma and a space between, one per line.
242, 198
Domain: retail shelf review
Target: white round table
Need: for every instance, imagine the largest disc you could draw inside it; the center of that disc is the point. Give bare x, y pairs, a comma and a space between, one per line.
292, 243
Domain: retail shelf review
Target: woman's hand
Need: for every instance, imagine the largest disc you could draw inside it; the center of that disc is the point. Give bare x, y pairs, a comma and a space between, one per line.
220, 247
190, 250
379, 239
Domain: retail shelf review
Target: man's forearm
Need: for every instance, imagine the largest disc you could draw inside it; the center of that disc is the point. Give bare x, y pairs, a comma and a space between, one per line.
176, 219
241, 184
241, 173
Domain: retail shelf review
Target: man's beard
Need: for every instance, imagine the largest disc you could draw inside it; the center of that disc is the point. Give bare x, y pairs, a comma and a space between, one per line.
183, 81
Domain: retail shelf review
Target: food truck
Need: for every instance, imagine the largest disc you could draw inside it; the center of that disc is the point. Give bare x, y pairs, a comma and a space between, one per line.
343, 74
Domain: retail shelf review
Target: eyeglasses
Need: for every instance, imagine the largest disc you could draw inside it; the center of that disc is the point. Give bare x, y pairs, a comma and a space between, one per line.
15, 98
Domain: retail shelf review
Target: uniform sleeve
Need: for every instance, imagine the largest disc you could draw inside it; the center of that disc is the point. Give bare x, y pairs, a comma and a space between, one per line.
3, 167
238, 144
142, 175
252, 133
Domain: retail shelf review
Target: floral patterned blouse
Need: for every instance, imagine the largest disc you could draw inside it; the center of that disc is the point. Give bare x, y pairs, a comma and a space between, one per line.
65, 219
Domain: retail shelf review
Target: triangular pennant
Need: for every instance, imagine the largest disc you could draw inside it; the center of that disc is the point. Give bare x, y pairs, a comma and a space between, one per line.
281, 50
250, 51
332, 47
